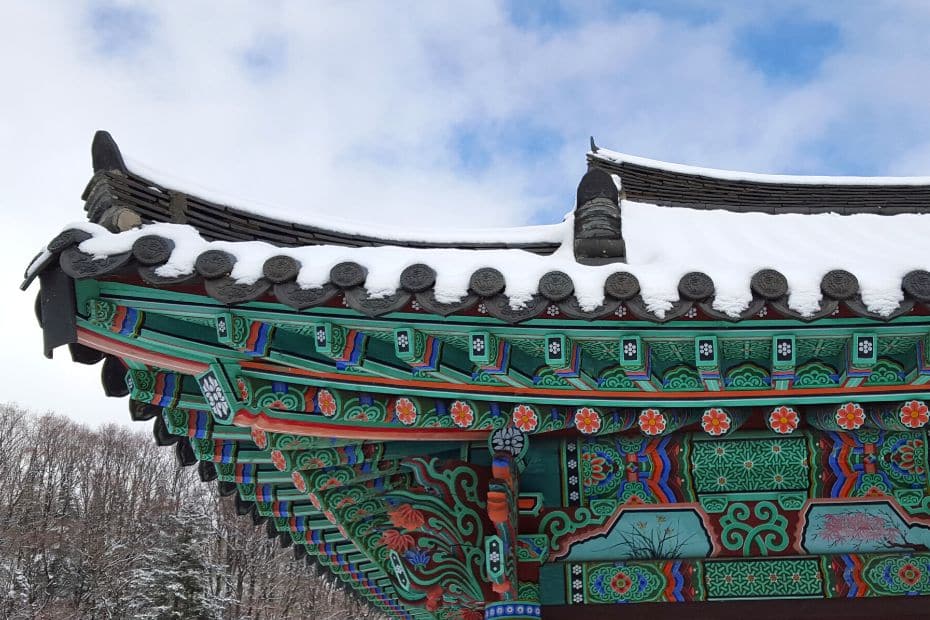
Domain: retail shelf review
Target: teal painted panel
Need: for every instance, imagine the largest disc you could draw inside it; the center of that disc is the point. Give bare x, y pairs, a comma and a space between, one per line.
552, 584
646, 535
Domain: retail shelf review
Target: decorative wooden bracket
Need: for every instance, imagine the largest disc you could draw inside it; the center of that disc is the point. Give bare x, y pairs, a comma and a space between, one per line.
707, 362
491, 356
423, 353
861, 355
118, 319
636, 362
923, 361
250, 337
565, 357
784, 360
346, 347
163, 389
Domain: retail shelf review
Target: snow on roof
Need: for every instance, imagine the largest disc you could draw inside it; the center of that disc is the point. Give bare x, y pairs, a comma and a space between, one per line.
662, 243
549, 233
734, 175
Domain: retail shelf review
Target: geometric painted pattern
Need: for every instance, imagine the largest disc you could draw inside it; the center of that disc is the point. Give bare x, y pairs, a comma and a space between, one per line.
763, 579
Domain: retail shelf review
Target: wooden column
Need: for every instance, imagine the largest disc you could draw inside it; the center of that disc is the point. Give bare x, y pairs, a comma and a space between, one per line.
507, 446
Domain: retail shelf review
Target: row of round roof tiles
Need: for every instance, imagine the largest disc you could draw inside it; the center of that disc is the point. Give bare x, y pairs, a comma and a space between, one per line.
486, 286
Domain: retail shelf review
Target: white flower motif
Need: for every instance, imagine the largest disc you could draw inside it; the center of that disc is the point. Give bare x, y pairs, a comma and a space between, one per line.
508, 439
415, 304
629, 349
552, 310
573, 496
691, 313
763, 312
402, 340
321, 336
213, 393
478, 345
573, 463
835, 311
865, 346
210, 387
784, 348
706, 348
555, 348
577, 584
576, 569
494, 556
577, 598
621, 311
482, 309
573, 479
570, 447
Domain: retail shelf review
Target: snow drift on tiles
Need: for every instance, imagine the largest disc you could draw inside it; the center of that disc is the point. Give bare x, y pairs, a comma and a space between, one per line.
663, 243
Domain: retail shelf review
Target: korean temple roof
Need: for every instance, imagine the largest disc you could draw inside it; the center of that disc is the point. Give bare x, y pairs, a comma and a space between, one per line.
524, 423
720, 249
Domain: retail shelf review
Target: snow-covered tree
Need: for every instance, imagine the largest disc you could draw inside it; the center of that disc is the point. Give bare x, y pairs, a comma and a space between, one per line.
102, 524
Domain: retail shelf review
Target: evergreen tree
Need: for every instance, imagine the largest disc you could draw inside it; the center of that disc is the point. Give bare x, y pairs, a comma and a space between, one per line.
173, 579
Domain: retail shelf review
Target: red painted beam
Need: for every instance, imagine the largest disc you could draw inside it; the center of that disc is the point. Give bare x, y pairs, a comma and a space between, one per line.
339, 431
138, 354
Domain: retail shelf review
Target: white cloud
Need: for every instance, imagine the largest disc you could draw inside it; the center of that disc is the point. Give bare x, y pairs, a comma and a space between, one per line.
356, 108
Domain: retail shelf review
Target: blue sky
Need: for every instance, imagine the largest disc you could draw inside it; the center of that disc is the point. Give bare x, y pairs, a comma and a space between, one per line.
756, 57
417, 114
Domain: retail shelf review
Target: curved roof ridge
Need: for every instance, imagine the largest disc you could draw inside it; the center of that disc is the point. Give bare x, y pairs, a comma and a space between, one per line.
526, 233
157, 197
616, 157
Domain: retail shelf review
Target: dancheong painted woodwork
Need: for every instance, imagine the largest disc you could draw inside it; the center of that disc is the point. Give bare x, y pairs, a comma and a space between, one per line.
477, 458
